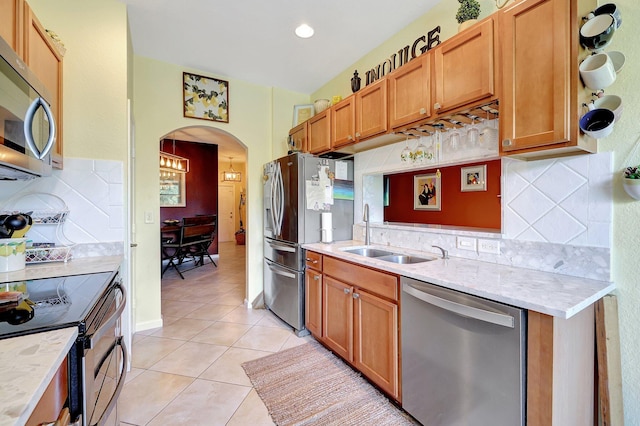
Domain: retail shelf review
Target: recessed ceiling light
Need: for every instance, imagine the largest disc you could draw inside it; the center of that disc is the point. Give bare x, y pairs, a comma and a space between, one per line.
304, 31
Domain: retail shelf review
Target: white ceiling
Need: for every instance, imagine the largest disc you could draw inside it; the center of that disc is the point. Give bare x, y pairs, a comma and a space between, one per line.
254, 40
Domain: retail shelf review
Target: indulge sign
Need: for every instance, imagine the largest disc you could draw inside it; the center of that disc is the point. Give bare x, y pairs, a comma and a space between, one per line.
404, 55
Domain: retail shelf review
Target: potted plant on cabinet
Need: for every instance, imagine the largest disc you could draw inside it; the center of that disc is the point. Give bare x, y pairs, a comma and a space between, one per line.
631, 181
467, 14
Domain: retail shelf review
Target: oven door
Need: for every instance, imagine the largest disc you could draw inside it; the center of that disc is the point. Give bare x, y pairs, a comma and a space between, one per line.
104, 363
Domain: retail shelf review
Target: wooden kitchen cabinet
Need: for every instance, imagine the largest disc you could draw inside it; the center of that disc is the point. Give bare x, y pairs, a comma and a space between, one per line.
343, 122
410, 92
360, 320
50, 406
313, 294
539, 101
11, 20
43, 58
465, 68
372, 110
319, 132
298, 137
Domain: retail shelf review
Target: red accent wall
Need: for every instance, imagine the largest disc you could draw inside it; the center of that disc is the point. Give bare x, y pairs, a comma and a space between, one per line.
201, 181
479, 209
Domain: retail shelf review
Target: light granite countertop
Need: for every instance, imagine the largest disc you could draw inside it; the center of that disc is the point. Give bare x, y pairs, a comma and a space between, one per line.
27, 365
553, 294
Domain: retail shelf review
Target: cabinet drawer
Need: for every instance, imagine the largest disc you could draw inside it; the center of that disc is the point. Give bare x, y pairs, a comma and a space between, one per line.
313, 260
376, 282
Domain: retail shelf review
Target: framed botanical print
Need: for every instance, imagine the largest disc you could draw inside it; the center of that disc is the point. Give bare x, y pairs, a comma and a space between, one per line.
427, 192
206, 98
302, 113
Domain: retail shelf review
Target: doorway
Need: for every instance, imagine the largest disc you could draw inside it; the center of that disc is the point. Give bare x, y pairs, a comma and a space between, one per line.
226, 212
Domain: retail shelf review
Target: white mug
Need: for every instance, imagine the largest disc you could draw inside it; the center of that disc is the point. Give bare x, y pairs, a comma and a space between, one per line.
597, 71
611, 102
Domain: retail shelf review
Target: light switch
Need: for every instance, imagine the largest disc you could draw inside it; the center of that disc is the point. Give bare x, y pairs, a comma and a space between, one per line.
466, 243
148, 217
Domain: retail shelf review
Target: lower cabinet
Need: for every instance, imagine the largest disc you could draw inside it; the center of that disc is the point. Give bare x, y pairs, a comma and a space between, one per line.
359, 319
313, 302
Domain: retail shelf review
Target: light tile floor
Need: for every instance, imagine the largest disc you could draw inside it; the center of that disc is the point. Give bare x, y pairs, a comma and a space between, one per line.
189, 371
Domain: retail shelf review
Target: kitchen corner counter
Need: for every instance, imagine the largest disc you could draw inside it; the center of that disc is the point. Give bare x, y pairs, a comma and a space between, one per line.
27, 365
77, 266
553, 294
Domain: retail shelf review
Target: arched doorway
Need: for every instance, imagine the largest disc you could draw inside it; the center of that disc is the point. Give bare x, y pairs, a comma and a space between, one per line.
209, 150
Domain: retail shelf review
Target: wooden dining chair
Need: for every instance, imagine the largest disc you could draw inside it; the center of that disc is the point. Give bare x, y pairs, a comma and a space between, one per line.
195, 236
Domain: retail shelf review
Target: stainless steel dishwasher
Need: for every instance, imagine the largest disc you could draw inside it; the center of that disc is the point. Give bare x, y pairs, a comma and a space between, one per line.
463, 358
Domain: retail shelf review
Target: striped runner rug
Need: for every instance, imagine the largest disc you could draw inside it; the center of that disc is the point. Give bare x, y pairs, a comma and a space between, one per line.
308, 385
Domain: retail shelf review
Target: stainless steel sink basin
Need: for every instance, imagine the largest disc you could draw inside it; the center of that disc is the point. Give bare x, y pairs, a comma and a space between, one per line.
404, 259
369, 252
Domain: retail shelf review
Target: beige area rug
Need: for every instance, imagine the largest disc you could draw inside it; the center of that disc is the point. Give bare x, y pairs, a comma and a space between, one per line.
308, 385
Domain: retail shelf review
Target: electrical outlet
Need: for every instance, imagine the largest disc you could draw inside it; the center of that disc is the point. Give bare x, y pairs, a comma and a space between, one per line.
489, 246
466, 243
148, 217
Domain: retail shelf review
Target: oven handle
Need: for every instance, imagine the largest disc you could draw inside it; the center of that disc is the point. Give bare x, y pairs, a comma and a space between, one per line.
106, 325
119, 386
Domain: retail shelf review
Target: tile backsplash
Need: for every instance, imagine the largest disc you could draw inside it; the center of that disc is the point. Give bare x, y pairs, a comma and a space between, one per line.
557, 214
93, 191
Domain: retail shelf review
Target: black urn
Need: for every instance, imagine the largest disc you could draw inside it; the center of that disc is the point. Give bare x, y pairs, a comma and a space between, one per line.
355, 82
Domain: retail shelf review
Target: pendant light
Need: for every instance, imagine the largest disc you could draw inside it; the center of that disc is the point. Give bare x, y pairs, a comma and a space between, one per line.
231, 175
172, 163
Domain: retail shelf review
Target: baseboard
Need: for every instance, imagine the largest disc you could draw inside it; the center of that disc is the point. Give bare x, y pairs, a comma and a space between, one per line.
148, 325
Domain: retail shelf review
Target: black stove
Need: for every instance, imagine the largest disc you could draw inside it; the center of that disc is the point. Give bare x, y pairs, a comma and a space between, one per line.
52, 303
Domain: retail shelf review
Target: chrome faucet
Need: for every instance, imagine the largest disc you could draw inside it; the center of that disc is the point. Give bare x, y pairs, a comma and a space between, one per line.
445, 253
365, 217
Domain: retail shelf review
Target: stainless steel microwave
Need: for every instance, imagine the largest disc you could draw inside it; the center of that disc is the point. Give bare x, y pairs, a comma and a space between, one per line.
27, 126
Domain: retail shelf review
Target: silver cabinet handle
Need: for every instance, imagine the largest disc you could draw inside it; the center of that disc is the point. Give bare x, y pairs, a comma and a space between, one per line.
316, 277
347, 291
459, 309
310, 260
423, 111
437, 106
507, 142
356, 296
357, 134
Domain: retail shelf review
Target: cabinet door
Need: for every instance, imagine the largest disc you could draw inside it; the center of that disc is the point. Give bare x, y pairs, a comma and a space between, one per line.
45, 61
464, 68
337, 317
320, 132
376, 341
535, 98
313, 302
409, 92
11, 23
372, 110
343, 121
298, 137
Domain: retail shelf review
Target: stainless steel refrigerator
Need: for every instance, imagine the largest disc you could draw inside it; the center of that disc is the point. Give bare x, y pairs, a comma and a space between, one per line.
297, 189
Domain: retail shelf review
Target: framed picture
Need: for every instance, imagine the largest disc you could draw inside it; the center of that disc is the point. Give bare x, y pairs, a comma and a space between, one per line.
172, 190
302, 113
427, 192
206, 98
473, 178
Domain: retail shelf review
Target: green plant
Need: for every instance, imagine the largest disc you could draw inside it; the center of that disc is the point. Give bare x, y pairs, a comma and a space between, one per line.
632, 173
469, 9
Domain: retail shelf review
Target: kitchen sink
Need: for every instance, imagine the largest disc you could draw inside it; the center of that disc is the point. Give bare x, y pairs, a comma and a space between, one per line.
368, 252
404, 259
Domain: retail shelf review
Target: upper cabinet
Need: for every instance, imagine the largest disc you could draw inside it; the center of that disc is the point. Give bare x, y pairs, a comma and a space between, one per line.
298, 137
410, 92
11, 23
43, 58
319, 132
343, 121
372, 117
539, 103
465, 68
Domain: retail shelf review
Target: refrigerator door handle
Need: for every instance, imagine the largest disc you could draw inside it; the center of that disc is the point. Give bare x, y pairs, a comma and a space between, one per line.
282, 248
274, 201
280, 184
281, 272
460, 309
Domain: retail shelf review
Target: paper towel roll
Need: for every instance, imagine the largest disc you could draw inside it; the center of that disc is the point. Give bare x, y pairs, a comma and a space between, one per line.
326, 227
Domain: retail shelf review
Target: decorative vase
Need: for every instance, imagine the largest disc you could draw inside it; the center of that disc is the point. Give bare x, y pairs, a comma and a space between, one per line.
320, 105
355, 82
632, 187
466, 24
